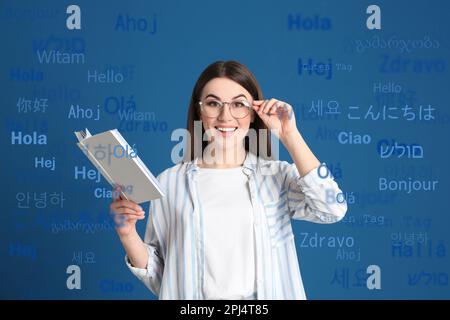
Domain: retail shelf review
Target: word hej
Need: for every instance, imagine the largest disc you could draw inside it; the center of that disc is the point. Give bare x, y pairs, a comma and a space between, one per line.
310, 67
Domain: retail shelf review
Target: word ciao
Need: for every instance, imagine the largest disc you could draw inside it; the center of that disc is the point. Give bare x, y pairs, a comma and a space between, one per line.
345, 137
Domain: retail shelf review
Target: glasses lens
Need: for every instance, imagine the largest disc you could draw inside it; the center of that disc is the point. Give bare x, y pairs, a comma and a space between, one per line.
240, 109
212, 108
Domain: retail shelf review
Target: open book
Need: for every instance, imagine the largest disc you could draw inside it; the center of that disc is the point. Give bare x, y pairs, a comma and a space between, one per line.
119, 165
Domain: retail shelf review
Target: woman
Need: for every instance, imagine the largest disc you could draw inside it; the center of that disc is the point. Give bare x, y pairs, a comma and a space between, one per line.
223, 230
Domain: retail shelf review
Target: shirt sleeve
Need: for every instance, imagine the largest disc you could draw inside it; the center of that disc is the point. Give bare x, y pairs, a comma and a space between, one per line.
313, 197
151, 276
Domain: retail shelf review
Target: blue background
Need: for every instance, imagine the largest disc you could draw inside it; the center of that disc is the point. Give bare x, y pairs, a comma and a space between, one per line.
160, 66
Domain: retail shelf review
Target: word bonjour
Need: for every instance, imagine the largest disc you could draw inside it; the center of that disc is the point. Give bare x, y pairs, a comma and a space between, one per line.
406, 185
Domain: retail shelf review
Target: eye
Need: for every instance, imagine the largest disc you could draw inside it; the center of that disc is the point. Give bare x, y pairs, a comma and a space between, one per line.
213, 103
240, 104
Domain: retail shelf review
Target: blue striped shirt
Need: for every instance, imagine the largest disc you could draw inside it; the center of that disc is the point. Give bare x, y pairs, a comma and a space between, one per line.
174, 235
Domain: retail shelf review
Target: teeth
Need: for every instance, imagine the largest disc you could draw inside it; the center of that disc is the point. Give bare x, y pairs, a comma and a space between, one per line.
226, 129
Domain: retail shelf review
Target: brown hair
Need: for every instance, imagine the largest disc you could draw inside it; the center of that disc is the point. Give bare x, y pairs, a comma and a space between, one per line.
239, 73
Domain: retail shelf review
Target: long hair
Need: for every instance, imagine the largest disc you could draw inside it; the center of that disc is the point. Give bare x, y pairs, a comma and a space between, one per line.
239, 73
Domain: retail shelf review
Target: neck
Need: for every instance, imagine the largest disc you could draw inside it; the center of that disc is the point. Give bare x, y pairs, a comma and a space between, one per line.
221, 158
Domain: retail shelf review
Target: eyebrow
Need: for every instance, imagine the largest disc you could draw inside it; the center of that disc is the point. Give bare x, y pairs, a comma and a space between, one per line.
214, 96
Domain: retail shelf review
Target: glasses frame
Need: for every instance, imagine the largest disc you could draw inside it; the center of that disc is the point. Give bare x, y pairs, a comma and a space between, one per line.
223, 103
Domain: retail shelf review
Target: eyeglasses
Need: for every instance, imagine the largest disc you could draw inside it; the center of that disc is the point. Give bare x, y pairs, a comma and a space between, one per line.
238, 108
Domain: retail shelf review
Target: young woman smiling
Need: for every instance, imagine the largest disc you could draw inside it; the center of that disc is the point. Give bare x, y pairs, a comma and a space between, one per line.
224, 231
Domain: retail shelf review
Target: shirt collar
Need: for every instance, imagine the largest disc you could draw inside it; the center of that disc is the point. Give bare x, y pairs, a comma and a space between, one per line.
251, 162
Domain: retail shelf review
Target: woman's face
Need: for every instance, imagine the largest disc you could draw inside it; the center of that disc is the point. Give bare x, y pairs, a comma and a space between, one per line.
225, 129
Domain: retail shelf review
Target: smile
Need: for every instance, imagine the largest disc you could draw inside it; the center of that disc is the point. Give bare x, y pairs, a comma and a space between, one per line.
226, 131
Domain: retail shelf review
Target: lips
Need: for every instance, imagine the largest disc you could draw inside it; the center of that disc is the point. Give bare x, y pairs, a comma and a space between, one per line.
226, 131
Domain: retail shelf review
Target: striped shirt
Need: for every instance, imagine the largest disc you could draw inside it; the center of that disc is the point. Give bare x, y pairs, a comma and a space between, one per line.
174, 235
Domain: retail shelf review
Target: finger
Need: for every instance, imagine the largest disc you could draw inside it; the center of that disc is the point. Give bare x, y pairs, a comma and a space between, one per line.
261, 107
269, 104
128, 204
273, 109
285, 111
258, 102
264, 117
116, 193
127, 211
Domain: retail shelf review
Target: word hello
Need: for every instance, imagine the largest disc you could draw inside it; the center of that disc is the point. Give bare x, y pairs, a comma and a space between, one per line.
34, 138
389, 87
109, 76
77, 112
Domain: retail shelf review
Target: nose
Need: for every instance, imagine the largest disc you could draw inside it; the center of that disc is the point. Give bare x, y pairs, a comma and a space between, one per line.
225, 113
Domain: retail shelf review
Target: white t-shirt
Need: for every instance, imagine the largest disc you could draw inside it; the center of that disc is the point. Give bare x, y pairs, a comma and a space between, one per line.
228, 223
